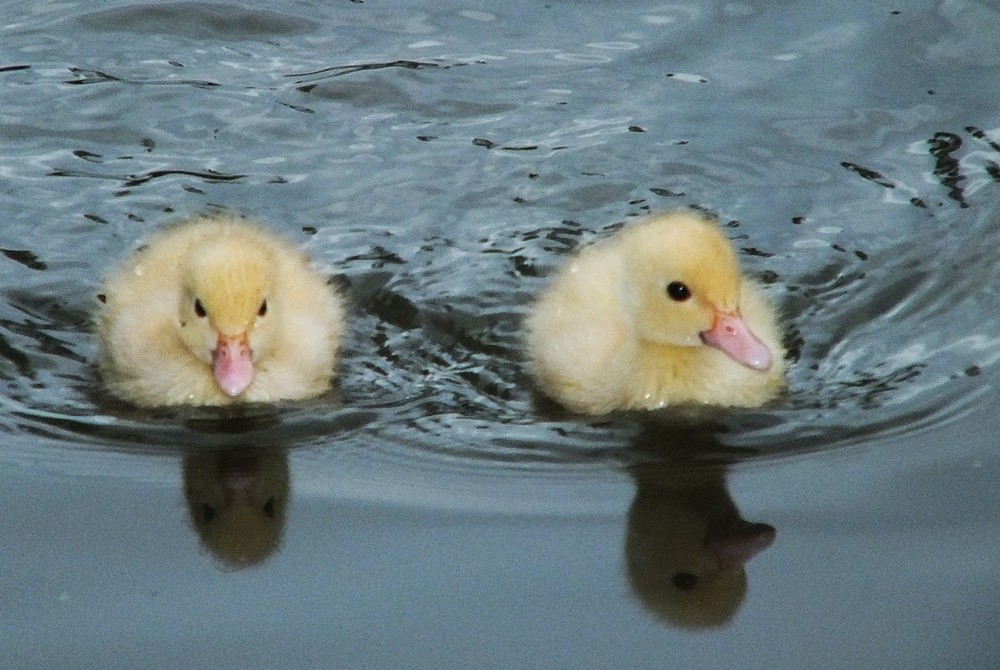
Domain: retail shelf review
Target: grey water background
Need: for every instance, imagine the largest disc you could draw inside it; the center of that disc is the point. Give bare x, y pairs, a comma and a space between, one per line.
440, 160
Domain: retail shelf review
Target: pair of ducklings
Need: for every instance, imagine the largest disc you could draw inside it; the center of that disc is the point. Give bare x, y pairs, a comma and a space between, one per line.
219, 310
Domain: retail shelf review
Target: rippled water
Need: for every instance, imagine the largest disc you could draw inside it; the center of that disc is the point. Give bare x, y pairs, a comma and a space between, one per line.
440, 160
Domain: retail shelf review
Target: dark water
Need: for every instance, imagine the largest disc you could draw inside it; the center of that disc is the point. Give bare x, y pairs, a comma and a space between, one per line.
440, 159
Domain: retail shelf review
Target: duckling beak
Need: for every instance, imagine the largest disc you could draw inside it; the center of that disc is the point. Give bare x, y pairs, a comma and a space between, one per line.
232, 364
731, 335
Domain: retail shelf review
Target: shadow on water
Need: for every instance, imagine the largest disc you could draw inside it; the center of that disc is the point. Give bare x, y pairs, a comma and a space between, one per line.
196, 20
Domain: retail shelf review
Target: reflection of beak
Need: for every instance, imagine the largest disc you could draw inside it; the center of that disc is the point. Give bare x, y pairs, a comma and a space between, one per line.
232, 364
731, 335
737, 545
238, 477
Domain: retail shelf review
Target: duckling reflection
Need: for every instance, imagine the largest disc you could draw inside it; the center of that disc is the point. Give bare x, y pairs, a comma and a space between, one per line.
237, 500
686, 545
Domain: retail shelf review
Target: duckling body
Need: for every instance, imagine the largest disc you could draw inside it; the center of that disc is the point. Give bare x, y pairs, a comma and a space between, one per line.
218, 310
656, 315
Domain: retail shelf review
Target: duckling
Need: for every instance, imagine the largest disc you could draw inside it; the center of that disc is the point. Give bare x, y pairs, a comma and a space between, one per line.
657, 315
218, 310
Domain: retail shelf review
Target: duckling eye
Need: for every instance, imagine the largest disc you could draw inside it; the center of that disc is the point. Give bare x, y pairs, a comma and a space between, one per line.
678, 291
685, 581
263, 309
199, 309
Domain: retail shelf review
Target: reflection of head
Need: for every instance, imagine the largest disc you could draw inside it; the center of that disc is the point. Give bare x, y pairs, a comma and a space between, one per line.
236, 500
686, 545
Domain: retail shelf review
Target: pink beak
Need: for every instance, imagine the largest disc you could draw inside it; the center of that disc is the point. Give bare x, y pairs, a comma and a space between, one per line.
731, 335
232, 364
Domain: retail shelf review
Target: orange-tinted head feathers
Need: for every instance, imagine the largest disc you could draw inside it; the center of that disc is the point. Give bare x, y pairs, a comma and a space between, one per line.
228, 312
230, 277
680, 272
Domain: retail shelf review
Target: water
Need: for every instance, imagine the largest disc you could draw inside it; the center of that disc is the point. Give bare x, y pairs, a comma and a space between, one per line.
440, 160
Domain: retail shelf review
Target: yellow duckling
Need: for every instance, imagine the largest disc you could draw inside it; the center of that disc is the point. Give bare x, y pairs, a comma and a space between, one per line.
218, 310
657, 315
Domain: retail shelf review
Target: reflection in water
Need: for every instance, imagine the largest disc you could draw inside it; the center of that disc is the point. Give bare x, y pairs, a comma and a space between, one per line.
686, 544
236, 500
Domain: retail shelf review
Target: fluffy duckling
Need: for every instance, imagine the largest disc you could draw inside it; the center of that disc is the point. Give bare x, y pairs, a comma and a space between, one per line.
218, 310
657, 315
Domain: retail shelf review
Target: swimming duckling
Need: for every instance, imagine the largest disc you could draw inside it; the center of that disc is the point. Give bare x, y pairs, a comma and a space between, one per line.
657, 315
218, 310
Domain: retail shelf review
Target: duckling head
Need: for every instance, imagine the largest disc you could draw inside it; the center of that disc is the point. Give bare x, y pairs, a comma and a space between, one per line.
228, 308
682, 288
